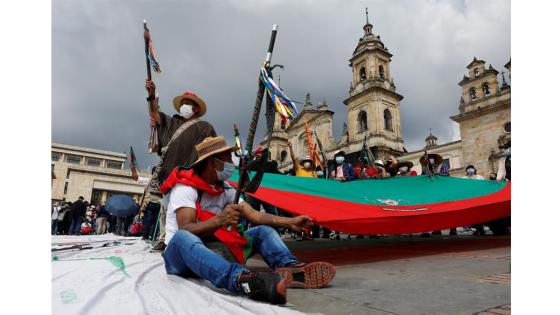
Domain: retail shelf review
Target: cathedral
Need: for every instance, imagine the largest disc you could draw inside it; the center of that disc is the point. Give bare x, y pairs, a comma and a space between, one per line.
373, 115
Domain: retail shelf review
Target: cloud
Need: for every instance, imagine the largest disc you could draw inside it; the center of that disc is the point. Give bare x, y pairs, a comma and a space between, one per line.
214, 49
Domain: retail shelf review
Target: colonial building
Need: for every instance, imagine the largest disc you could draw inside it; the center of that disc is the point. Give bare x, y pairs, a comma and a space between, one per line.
373, 115
91, 173
373, 110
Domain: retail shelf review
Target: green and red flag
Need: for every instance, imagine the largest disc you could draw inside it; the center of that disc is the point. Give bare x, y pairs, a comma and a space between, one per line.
133, 161
396, 205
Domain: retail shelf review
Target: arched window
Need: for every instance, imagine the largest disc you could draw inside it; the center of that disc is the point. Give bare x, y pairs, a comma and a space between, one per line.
283, 155
302, 140
472, 92
507, 127
486, 89
388, 119
381, 72
362, 121
476, 72
362, 73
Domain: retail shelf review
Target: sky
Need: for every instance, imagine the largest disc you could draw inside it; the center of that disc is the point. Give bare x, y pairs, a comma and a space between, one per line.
215, 49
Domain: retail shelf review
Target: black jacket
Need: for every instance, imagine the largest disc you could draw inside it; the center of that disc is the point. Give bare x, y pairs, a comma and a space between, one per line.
78, 209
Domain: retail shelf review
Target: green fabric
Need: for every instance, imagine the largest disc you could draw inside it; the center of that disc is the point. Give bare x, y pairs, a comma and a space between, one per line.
408, 190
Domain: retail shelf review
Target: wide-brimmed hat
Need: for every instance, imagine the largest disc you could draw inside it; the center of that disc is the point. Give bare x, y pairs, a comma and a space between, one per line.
405, 163
437, 158
211, 146
340, 152
258, 150
505, 145
177, 102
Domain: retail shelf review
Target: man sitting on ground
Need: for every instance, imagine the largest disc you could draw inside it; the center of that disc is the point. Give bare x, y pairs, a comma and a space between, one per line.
200, 212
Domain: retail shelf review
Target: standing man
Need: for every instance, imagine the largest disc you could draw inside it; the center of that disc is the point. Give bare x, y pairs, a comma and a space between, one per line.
78, 212
177, 136
306, 169
55, 209
436, 167
344, 171
504, 164
101, 221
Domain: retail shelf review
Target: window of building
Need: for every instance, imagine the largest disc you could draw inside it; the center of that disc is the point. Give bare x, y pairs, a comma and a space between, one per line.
507, 127
446, 162
114, 164
93, 162
96, 196
362, 73
65, 188
472, 92
476, 72
388, 119
283, 156
486, 89
362, 121
55, 156
74, 159
381, 72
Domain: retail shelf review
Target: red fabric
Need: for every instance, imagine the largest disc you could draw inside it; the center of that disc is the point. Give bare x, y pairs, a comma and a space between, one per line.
87, 230
356, 218
235, 242
370, 172
189, 178
136, 228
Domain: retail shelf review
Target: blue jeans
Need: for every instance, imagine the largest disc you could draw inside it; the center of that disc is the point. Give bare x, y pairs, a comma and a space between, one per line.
186, 255
75, 226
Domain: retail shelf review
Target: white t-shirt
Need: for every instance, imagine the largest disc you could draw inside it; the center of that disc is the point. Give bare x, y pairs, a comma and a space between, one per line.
182, 196
54, 215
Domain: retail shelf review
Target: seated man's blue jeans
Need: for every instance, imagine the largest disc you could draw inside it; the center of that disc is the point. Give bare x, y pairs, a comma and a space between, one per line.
186, 255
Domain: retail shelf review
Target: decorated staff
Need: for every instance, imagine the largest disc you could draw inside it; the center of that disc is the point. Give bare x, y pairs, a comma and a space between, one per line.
133, 161
366, 152
151, 62
274, 95
238, 153
321, 150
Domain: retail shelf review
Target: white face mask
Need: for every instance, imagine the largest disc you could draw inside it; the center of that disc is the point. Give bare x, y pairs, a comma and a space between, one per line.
432, 161
403, 169
507, 152
227, 172
339, 159
470, 171
320, 173
186, 111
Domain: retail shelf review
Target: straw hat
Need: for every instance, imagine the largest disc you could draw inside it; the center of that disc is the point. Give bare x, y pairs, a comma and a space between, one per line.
405, 163
211, 146
177, 102
379, 162
437, 158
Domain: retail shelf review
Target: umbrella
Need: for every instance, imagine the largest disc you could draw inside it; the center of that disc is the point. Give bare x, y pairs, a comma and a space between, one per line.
121, 205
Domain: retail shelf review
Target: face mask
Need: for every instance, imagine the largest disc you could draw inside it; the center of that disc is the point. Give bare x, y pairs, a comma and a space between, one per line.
507, 152
432, 161
320, 173
306, 164
470, 171
339, 159
186, 111
227, 172
403, 169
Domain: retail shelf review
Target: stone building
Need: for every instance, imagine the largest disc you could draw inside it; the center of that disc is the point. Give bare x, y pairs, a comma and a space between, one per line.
373, 114
91, 173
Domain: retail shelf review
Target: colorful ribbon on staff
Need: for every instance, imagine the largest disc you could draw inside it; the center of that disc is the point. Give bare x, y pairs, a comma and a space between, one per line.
285, 107
152, 58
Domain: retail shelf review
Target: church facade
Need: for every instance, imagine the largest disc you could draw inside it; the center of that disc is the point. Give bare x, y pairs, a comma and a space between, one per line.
373, 115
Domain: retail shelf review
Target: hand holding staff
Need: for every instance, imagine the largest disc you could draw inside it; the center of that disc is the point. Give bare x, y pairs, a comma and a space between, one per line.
153, 144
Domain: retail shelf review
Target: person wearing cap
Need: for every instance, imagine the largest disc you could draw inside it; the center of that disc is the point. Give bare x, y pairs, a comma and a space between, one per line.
343, 171
504, 164
201, 208
405, 169
177, 136
436, 165
381, 171
303, 168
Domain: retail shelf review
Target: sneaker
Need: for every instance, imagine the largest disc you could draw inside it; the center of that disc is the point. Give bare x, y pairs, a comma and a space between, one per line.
312, 275
266, 286
159, 246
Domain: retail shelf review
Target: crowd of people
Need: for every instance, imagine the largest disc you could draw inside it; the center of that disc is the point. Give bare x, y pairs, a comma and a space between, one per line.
81, 218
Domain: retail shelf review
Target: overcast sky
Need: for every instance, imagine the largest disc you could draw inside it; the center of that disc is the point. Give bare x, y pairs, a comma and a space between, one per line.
214, 49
